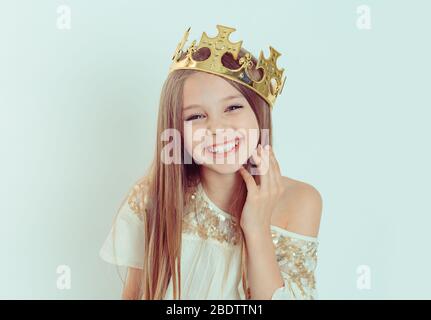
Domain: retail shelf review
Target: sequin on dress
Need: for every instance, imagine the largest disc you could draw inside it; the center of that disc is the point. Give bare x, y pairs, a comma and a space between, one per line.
211, 250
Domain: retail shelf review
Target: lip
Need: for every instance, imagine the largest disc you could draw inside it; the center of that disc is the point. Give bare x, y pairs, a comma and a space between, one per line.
224, 143
225, 154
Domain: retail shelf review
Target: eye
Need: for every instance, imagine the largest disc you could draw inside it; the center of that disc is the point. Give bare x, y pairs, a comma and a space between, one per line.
193, 117
234, 107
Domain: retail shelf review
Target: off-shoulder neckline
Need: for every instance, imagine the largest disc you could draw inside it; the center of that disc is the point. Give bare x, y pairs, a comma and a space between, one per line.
275, 228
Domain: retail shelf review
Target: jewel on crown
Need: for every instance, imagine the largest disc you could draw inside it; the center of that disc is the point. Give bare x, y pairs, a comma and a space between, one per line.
268, 86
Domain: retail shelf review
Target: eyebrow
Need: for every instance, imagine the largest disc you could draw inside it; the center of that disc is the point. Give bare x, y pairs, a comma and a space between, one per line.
223, 99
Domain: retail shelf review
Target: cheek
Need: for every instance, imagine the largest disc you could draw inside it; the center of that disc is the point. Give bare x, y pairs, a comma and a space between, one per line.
251, 127
188, 138
249, 120
193, 138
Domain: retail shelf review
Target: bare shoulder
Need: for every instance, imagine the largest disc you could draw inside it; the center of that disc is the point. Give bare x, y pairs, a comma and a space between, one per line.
300, 209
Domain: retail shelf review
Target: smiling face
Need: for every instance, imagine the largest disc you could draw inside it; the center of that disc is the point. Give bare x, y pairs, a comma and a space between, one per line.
220, 127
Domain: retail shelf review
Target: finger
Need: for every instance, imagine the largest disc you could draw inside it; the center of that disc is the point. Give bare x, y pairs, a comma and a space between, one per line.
265, 170
255, 169
256, 159
248, 179
256, 156
261, 168
256, 163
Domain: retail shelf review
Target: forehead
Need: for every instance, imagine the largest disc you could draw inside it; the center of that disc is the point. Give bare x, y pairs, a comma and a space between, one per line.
206, 88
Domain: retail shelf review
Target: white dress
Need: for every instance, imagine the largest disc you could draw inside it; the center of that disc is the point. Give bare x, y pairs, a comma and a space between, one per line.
211, 252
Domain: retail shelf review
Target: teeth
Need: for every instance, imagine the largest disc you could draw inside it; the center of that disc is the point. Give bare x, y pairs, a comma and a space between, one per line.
224, 148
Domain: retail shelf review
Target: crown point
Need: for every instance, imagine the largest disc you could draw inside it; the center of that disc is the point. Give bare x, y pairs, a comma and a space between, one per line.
282, 85
269, 86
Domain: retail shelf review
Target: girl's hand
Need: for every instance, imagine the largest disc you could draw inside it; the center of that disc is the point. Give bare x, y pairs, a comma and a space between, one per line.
261, 199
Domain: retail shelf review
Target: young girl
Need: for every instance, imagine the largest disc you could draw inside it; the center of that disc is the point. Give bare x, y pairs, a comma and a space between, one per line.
213, 218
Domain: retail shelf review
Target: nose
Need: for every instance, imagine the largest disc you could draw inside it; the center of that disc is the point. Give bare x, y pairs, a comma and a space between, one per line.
219, 130
217, 126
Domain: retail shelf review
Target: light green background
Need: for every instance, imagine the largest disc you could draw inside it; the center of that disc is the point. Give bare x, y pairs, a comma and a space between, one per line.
78, 114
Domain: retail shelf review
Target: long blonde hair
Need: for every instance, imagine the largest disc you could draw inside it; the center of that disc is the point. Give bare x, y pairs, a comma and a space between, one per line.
169, 184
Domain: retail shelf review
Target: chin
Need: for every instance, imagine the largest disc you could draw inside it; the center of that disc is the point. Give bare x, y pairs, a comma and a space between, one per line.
223, 168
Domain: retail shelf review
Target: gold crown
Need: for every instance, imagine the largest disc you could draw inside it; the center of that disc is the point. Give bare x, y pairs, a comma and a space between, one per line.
269, 86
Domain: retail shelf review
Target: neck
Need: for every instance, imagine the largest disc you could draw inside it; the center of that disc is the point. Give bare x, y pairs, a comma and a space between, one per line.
220, 188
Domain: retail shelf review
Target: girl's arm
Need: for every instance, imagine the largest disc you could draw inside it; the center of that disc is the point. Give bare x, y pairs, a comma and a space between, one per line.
124, 245
133, 282
263, 271
265, 277
294, 252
